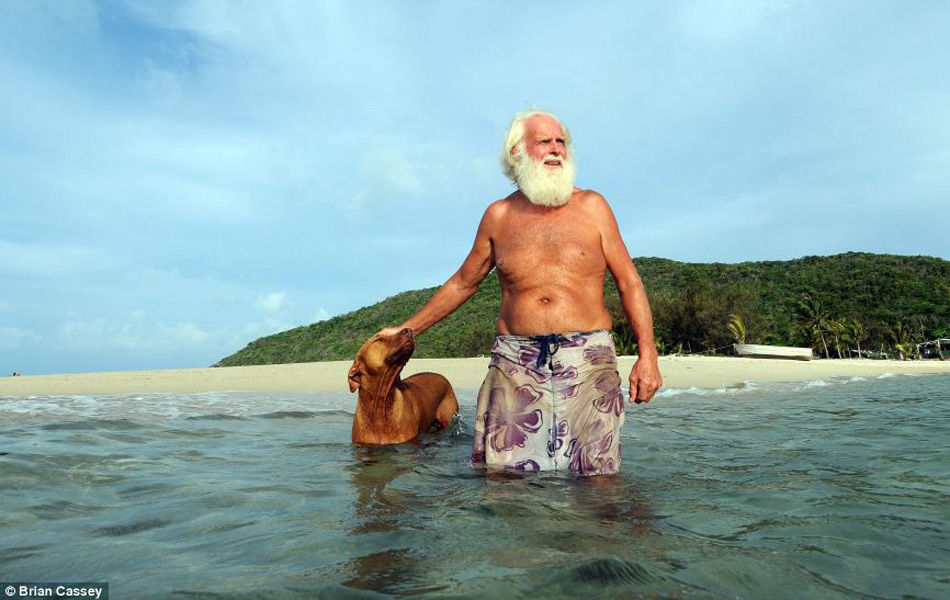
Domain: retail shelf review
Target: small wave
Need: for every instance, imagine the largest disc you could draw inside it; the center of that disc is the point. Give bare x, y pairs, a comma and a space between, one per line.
138, 526
215, 417
609, 571
9, 555
692, 390
335, 411
739, 388
69, 426
885, 376
304, 414
92, 425
66, 411
61, 509
746, 385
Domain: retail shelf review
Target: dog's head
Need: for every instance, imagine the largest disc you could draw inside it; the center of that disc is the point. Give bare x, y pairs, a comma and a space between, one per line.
379, 355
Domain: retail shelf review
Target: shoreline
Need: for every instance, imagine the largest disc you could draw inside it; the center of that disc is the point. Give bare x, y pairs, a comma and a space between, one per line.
326, 377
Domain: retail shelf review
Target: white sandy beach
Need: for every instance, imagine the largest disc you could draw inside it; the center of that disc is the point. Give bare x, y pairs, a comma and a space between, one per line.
678, 372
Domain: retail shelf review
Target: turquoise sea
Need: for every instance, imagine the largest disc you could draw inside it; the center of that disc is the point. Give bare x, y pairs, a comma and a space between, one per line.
826, 489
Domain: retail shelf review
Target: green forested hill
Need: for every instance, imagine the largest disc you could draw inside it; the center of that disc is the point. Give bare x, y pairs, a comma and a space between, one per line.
835, 302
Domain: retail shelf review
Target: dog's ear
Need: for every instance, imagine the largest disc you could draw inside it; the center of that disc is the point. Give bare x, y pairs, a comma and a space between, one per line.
353, 377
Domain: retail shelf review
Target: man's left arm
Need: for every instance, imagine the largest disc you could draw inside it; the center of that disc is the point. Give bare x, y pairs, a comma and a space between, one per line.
645, 378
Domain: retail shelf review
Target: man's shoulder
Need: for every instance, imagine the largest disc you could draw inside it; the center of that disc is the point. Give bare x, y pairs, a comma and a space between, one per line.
498, 208
493, 217
590, 200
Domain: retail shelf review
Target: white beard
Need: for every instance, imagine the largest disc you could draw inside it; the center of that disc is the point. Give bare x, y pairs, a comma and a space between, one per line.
544, 186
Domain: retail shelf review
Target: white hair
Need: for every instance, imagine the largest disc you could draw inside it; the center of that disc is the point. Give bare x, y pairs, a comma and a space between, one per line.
514, 140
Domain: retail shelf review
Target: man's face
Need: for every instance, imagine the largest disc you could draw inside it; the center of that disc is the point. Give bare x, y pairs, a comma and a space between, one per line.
544, 141
543, 169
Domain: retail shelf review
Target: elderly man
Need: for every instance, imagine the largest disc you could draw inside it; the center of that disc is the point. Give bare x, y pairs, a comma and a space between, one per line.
552, 398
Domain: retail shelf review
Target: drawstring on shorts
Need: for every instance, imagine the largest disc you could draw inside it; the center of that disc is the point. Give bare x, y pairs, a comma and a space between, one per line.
548, 346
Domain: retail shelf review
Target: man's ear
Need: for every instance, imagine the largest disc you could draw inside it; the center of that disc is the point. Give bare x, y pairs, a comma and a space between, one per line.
353, 377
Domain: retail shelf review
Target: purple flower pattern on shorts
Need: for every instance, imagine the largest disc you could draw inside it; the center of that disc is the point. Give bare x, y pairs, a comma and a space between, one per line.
511, 420
574, 341
599, 354
528, 355
558, 373
610, 398
527, 465
578, 388
593, 454
498, 362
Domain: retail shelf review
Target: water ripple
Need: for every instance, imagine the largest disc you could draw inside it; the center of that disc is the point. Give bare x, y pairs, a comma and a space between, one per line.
836, 490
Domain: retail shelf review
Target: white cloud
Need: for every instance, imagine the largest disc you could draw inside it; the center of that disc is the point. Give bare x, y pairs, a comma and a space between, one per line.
133, 334
212, 20
99, 334
11, 338
46, 259
161, 84
238, 338
390, 168
78, 14
187, 334
272, 303
51, 17
726, 19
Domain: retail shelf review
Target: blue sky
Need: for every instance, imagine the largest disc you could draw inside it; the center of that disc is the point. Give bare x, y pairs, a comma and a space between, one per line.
181, 177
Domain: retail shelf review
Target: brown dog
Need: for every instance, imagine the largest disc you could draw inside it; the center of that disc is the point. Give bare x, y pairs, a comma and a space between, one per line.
391, 410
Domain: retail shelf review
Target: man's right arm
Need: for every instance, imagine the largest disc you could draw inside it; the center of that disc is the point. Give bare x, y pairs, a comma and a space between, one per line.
464, 283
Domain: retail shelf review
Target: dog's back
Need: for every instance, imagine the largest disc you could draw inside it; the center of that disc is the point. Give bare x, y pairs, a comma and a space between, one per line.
435, 397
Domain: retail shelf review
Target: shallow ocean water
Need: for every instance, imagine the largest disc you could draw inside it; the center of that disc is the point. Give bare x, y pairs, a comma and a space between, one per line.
827, 489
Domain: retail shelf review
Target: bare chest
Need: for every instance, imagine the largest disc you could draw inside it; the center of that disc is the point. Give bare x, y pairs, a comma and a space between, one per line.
533, 246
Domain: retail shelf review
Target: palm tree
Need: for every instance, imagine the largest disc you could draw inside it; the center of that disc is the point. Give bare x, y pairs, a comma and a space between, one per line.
854, 333
836, 328
737, 327
902, 341
812, 318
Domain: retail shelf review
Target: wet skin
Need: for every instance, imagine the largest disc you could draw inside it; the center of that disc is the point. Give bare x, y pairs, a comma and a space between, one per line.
551, 264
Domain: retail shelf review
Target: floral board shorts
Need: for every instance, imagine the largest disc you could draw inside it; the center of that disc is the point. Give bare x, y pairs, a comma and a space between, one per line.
551, 402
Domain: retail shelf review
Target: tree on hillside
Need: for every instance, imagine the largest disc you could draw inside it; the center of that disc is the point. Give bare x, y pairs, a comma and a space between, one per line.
737, 327
696, 315
812, 319
692, 304
901, 338
836, 327
854, 332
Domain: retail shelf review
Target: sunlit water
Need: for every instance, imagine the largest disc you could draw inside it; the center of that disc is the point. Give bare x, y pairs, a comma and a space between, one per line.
833, 489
